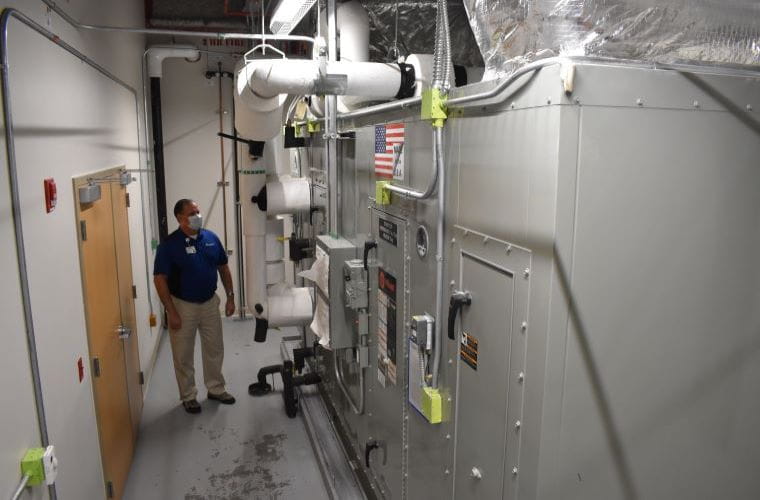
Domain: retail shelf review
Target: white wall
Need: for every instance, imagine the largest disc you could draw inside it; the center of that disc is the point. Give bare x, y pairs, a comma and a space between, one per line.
190, 104
69, 121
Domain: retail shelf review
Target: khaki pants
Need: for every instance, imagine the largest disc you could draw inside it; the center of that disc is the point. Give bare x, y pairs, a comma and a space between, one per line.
204, 318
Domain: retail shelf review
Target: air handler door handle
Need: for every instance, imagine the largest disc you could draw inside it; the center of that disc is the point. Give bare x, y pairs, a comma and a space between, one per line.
368, 245
458, 299
372, 445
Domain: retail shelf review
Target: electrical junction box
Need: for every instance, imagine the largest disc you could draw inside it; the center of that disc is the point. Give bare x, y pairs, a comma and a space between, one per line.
423, 398
41, 465
355, 284
331, 255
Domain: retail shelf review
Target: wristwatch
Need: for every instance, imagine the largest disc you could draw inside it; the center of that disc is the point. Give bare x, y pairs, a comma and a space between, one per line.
230, 294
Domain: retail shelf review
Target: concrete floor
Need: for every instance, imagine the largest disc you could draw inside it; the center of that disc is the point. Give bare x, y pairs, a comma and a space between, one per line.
249, 450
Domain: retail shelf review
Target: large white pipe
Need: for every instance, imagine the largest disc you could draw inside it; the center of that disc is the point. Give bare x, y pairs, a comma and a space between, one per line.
156, 55
268, 79
352, 26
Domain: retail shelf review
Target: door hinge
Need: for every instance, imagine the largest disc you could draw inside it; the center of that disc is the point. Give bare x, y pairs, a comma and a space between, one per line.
109, 489
83, 229
96, 367
134, 292
127, 197
142, 378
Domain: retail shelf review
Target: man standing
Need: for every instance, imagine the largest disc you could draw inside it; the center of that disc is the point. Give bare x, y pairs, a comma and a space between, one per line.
184, 273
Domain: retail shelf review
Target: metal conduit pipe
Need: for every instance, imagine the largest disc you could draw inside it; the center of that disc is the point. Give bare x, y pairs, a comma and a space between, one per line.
356, 408
196, 34
238, 215
456, 101
10, 152
20, 488
439, 252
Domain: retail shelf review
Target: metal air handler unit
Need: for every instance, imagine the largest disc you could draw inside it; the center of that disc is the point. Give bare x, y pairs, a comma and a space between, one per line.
608, 238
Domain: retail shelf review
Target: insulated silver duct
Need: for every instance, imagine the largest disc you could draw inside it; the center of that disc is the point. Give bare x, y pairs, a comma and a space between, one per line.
512, 33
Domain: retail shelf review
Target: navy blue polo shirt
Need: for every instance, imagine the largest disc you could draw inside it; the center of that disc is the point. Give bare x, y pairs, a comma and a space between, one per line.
190, 264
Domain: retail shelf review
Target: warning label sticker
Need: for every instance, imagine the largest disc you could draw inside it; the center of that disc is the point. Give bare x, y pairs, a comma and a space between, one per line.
468, 350
386, 328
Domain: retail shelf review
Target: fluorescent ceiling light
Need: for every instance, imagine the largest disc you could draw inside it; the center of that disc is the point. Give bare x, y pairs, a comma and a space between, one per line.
288, 14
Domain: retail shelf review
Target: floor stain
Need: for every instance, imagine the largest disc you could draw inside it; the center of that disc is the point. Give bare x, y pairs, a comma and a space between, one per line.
247, 480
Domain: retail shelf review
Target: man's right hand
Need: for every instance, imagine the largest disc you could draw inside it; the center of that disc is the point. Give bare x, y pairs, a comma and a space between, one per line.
175, 322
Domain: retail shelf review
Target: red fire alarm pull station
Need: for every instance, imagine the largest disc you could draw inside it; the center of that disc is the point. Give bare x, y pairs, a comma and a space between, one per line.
51, 195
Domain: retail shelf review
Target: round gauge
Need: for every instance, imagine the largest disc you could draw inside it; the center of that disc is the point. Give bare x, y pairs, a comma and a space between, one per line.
422, 241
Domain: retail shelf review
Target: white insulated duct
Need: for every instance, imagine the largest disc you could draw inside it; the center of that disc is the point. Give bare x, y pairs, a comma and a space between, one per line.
156, 55
268, 297
352, 29
269, 79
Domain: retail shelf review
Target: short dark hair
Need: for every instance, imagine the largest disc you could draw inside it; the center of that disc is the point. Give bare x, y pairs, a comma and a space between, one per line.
180, 205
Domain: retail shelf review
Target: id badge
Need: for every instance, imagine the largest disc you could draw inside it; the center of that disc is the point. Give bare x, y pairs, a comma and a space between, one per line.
190, 249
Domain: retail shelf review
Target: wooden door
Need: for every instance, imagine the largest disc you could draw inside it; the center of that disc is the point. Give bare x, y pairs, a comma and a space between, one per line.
127, 293
106, 285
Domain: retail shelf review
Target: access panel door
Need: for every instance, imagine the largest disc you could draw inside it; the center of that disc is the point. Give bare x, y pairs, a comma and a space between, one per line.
482, 388
387, 372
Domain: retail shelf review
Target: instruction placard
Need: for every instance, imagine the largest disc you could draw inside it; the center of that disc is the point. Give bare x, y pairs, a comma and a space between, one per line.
388, 231
386, 328
468, 350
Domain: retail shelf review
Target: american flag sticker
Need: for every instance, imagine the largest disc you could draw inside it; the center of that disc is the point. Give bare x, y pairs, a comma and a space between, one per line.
389, 151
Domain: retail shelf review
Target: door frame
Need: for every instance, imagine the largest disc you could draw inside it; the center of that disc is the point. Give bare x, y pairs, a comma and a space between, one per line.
109, 178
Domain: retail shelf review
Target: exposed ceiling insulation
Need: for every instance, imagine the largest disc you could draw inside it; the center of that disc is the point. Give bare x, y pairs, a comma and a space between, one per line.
234, 15
416, 30
416, 23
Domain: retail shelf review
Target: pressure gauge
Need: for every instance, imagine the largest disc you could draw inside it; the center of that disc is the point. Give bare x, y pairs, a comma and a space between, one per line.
422, 241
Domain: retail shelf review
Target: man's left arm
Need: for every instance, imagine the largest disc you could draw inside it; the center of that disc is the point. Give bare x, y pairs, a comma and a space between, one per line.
224, 273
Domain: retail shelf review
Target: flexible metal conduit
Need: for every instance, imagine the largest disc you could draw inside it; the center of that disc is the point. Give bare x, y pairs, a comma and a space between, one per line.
10, 151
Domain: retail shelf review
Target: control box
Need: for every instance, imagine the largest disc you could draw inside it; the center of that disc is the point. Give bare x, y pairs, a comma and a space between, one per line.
333, 313
355, 285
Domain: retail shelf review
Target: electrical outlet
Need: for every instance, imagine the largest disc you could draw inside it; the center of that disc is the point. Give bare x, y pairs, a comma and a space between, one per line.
50, 464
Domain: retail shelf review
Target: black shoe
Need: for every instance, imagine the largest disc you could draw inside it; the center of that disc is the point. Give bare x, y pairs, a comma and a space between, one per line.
191, 406
225, 398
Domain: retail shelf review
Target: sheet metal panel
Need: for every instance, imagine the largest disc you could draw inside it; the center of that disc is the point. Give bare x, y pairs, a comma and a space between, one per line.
666, 285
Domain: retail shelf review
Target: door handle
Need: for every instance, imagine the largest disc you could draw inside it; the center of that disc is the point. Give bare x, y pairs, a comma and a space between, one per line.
372, 445
458, 300
368, 245
123, 332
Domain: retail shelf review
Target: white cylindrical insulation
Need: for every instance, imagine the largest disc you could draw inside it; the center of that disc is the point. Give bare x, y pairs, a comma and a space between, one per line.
254, 125
290, 307
155, 57
275, 272
288, 195
255, 271
269, 79
352, 28
275, 247
252, 180
423, 71
276, 158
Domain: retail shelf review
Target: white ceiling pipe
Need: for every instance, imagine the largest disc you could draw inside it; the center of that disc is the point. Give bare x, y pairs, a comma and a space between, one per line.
352, 25
156, 55
269, 78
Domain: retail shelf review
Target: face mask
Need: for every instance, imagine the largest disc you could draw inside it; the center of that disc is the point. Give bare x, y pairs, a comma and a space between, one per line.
195, 222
